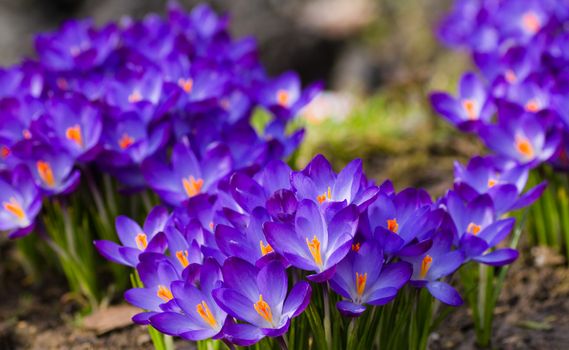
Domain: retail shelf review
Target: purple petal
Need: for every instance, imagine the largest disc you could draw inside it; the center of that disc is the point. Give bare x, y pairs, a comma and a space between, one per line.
499, 257
445, 293
382, 296
172, 323
349, 309
297, 300
242, 334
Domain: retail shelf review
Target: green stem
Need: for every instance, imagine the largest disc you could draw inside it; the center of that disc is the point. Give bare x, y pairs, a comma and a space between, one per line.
282, 342
327, 324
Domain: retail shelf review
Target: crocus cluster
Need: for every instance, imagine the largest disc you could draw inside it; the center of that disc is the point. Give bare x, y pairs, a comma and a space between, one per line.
118, 98
517, 102
218, 264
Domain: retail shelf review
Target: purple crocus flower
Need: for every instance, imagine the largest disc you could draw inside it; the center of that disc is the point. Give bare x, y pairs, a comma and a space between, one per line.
157, 275
187, 177
504, 182
472, 106
437, 262
284, 96
136, 240
478, 230
260, 298
315, 242
74, 124
21, 202
520, 136
202, 318
76, 45
363, 278
317, 181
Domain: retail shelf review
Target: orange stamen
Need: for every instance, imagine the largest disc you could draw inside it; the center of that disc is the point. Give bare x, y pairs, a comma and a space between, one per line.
265, 249
73, 133
361, 279
14, 208
192, 186
492, 183
182, 256
125, 141
473, 228
5, 152
27, 134
356, 247
511, 76
470, 108
264, 309
45, 172
314, 247
164, 293
392, 225
283, 98
186, 84
325, 196
524, 147
531, 22
205, 313
135, 97
532, 106
426, 265
141, 241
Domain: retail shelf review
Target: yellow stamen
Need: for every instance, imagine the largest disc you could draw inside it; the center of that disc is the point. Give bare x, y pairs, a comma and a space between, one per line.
392, 225
524, 147
531, 22
283, 98
265, 249
325, 196
473, 228
314, 247
192, 186
361, 279
182, 256
356, 247
264, 309
426, 265
141, 241
135, 97
532, 106
5, 152
470, 108
511, 76
164, 293
73, 133
125, 141
186, 84
45, 172
492, 183
14, 208
205, 313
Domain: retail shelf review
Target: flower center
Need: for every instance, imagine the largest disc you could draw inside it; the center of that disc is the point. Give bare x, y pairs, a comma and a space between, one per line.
361, 279
511, 76
473, 228
186, 84
265, 249
164, 293
141, 241
326, 195
532, 106
26, 134
283, 98
192, 186
45, 172
5, 152
182, 256
135, 97
524, 147
205, 313
314, 247
264, 309
125, 141
73, 133
470, 108
392, 225
426, 265
492, 183
356, 247
14, 208
531, 22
